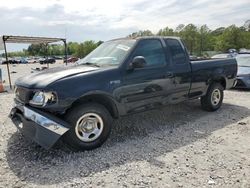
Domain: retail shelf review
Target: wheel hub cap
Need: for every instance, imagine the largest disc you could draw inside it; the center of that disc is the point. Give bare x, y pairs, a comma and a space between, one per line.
89, 127
215, 99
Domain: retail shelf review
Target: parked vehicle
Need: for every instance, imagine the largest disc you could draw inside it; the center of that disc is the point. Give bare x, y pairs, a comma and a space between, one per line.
15, 60
72, 60
10, 60
193, 57
244, 51
120, 77
3, 62
32, 60
22, 60
243, 75
49, 60
222, 56
57, 57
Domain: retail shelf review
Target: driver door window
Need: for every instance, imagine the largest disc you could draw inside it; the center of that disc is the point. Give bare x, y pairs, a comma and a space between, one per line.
152, 51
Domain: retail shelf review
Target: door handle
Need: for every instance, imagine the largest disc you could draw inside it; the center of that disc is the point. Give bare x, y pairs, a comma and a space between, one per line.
169, 74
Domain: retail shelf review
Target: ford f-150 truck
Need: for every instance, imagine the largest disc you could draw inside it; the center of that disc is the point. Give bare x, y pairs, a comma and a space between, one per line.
76, 104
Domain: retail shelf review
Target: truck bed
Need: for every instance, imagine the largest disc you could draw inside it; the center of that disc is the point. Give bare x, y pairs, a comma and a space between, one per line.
205, 70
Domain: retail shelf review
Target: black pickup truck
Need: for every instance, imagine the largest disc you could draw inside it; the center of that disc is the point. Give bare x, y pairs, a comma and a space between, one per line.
76, 104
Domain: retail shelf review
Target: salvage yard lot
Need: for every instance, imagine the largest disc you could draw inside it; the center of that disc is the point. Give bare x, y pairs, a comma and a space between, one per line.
18, 70
176, 146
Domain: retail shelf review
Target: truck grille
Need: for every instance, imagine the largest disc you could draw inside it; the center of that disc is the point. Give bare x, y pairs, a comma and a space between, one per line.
22, 94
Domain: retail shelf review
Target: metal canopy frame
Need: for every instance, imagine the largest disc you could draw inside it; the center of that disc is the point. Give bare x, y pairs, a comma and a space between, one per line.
30, 40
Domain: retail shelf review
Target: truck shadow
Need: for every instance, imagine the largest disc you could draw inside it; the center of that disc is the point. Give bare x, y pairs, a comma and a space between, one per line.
139, 137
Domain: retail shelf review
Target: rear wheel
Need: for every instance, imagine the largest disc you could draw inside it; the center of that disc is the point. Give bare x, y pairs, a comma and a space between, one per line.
90, 127
212, 101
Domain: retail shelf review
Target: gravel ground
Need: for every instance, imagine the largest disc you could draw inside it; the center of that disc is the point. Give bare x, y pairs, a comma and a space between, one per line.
176, 146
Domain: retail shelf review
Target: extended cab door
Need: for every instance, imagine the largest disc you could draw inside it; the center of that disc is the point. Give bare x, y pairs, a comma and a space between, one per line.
181, 69
146, 87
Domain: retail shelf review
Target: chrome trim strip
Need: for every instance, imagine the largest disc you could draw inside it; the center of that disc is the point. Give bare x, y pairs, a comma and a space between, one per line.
44, 121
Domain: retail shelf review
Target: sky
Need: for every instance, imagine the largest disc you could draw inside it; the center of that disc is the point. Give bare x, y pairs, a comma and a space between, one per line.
80, 20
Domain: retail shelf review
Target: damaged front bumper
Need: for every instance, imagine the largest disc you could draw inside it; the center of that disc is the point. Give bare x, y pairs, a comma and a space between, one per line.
42, 127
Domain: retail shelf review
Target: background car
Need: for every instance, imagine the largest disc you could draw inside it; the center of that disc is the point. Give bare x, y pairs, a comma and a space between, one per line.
57, 57
193, 57
31, 60
49, 60
11, 61
222, 56
16, 60
22, 60
72, 59
244, 51
243, 74
2, 60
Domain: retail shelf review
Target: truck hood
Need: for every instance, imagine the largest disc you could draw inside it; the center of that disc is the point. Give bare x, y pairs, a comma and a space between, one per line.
43, 78
243, 70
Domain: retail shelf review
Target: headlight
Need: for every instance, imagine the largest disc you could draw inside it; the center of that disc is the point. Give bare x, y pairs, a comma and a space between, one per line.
42, 98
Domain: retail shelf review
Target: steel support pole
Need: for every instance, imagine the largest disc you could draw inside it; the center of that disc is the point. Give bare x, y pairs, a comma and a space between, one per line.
66, 52
7, 61
47, 58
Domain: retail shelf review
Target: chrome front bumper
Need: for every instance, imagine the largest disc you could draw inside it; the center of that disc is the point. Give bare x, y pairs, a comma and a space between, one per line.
42, 127
44, 121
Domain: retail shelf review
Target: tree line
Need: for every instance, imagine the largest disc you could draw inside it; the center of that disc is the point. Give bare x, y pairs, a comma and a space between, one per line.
76, 49
201, 39
198, 39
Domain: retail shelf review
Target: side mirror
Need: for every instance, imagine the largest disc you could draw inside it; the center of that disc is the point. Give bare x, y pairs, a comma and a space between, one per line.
138, 62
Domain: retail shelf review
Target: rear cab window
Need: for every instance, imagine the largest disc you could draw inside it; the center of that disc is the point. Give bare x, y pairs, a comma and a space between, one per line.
176, 50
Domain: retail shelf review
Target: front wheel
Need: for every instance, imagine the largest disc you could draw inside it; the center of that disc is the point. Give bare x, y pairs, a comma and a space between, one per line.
212, 101
90, 126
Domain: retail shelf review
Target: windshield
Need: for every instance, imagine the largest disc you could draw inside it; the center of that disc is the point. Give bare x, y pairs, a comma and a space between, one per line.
243, 61
110, 53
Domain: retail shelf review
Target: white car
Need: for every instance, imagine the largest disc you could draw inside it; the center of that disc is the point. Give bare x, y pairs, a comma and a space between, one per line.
222, 56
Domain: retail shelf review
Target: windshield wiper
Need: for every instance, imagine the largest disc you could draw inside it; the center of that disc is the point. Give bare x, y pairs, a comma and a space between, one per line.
91, 64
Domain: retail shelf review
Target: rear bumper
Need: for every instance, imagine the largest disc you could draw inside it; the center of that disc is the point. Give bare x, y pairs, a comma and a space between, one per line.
44, 128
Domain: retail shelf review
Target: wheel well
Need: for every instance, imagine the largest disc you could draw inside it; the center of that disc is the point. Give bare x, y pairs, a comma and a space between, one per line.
100, 99
222, 81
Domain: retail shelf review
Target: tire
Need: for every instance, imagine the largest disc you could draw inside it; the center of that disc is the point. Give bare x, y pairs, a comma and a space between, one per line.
91, 134
212, 101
